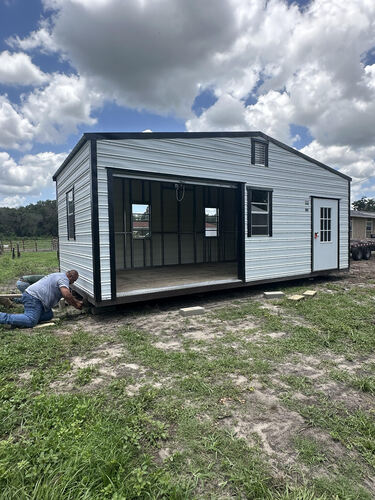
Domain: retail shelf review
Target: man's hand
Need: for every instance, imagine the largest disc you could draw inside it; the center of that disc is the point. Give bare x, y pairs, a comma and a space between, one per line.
66, 293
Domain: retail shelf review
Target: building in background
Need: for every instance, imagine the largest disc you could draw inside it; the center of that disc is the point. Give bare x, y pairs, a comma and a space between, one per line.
362, 224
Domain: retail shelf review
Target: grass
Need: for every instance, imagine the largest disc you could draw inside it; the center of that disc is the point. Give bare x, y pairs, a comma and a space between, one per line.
186, 438
28, 263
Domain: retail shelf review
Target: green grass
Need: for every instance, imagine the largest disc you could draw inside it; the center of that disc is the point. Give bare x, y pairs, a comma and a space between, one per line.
28, 263
310, 451
181, 439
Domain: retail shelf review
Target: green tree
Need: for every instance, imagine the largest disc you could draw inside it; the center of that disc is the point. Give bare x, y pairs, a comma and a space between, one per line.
39, 219
365, 204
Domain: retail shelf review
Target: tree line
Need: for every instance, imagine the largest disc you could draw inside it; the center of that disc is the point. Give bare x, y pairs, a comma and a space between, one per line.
34, 220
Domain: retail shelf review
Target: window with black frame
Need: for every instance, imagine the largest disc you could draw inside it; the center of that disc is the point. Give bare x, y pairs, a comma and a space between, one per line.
259, 212
141, 228
211, 226
70, 214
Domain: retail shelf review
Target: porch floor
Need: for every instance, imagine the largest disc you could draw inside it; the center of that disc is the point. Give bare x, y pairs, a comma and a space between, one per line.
137, 281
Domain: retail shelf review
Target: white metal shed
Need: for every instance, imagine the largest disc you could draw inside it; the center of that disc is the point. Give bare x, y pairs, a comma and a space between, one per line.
147, 215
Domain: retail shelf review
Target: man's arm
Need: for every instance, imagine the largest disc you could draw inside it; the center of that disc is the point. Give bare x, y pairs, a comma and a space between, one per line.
65, 292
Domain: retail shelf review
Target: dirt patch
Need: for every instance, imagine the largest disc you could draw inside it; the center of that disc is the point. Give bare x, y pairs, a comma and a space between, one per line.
171, 345
318, 380
263, 420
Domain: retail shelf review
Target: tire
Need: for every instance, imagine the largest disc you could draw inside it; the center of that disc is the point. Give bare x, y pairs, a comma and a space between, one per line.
357, 253
366, 253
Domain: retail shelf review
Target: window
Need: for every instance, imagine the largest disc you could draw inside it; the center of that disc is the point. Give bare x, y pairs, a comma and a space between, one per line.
70, 215
368, 228
141, 221
259, 153
211, 222
325, 225
259, 212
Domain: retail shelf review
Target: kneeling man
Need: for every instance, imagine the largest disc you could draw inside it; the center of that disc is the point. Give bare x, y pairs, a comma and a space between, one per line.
39, 298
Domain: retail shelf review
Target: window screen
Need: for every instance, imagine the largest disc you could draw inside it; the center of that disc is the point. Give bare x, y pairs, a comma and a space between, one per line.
70, 215
141, 227
259, 153
325, 224
259, 212
211, 222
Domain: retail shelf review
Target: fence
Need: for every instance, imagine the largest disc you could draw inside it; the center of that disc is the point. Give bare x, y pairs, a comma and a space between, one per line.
16, 246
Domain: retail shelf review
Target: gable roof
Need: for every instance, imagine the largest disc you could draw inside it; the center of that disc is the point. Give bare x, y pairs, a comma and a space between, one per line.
361, 213
192, 135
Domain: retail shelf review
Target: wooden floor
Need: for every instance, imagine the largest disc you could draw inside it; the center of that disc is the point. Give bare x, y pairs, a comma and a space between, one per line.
137, 281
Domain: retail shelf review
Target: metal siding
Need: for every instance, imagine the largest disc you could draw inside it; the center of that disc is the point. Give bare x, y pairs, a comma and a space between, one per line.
292, 178
77, 254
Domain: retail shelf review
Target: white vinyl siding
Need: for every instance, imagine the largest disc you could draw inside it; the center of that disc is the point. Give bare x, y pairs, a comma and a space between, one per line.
77, 253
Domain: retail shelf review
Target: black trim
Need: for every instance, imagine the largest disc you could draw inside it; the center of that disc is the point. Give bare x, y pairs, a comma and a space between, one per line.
312, 232
191, 135
241, 232
198, 289
95, 223
349, 204
70, 238
338, 234
111, 226
249, 190
263, 143
58, 233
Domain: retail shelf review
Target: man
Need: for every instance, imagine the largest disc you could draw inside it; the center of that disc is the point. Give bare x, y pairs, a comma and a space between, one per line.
25, 281
39, 298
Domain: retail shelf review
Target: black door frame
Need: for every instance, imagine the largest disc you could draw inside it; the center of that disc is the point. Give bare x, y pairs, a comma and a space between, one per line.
240, 195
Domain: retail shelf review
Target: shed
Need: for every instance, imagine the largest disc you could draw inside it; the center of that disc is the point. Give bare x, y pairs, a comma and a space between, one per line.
149, 215
362, 224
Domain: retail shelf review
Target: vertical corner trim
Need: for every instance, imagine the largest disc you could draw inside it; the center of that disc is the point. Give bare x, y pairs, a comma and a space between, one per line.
349, 204
111, 223
58, 227
95, 222
241, 231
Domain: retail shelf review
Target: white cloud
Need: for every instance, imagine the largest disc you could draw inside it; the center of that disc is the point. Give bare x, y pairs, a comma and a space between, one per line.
56, 110
13, 201
226, 114
158, 54
38, 39
28, 176
16, 132
149, 55
357, 163
48, 114
271, 114
18, 69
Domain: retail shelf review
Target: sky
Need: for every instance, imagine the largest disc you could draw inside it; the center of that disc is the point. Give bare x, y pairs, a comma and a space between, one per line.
300, 71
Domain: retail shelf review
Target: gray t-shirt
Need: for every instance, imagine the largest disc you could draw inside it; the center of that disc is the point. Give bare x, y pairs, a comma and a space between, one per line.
47, 290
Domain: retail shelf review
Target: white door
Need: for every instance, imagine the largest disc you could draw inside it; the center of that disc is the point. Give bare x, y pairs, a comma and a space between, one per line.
325, 234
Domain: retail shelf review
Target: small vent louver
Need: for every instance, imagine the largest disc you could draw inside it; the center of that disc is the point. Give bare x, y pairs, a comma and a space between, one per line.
259, 153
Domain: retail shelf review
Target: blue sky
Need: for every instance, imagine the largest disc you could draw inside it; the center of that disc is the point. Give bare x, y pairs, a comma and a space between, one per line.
302, 72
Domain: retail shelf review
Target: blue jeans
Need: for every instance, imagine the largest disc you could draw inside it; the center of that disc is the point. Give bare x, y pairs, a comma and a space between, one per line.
22, 285
33, 314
